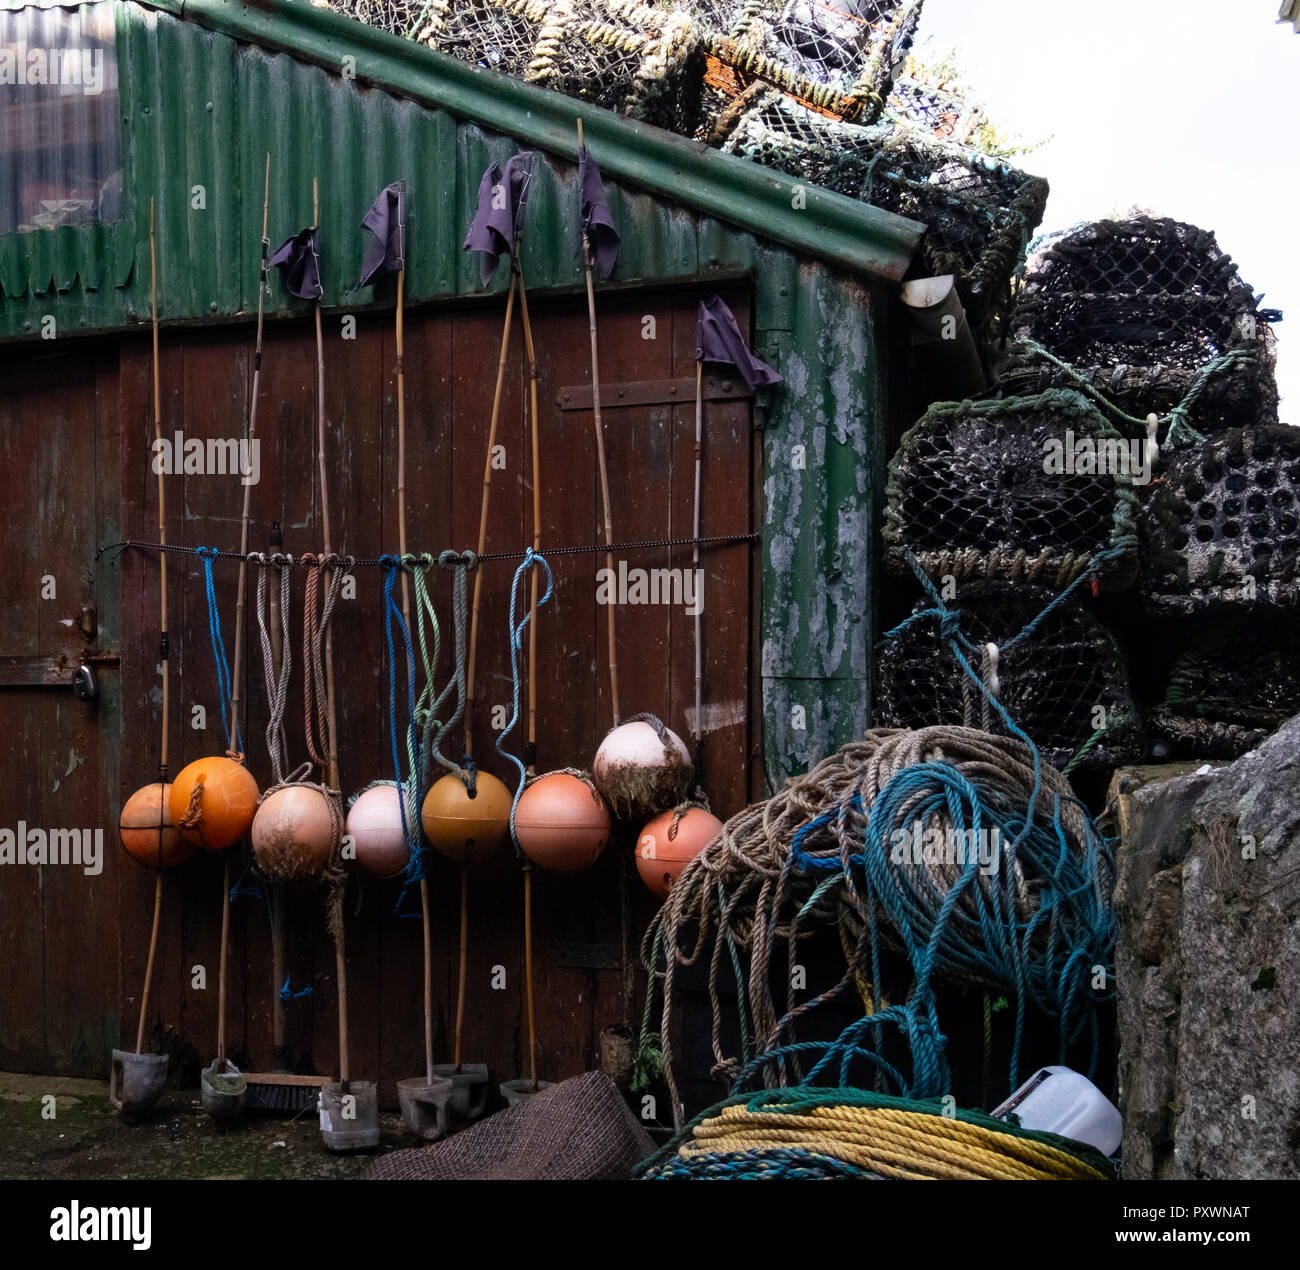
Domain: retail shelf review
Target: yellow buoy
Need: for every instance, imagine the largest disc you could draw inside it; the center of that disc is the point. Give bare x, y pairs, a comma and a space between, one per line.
462, 828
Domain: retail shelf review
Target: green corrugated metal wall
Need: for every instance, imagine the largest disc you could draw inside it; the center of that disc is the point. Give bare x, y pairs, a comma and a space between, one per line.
201, 110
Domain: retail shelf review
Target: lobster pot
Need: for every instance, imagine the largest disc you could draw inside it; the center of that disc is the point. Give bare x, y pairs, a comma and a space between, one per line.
1235, 682
979, 212
1139, 308
838, 58
1064, 683
640, 61
993, 490
1223, 527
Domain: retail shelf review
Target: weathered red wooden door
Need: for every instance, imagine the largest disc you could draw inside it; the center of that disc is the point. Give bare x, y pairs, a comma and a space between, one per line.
76, 432
60, 433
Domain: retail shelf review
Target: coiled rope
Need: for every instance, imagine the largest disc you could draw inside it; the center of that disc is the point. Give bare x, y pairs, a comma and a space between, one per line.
860, 1134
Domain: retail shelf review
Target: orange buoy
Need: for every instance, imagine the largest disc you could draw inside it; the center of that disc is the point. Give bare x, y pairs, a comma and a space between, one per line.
212, 802
148, 832
562, 823
462, 828
663, 849
641, 774
375, 827
293, 833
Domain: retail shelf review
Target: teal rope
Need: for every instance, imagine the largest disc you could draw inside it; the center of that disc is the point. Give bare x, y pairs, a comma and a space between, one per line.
224, 685
1180, 429
408, 799
531, 561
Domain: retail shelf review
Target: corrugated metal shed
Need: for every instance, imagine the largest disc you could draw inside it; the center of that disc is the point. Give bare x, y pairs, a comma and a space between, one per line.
209, 87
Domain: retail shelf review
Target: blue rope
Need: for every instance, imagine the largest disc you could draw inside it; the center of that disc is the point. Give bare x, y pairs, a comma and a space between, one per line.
408, 796
531, 561
287, 993
224, 684
974, 932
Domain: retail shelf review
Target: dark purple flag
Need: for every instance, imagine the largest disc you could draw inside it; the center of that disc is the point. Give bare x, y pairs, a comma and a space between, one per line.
299, 264
502, 207
597, 223
386, 220
718, 339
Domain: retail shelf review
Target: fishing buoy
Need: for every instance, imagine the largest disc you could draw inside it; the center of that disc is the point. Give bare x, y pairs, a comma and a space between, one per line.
462, 828
641, 773
293, 833
213, 801
375, 827
664, 849
562, 823
148, 832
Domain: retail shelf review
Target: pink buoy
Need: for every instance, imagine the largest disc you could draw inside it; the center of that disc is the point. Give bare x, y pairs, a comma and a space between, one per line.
375, 827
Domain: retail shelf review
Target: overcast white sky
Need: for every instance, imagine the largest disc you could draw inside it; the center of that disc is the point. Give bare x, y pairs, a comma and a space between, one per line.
1189, 109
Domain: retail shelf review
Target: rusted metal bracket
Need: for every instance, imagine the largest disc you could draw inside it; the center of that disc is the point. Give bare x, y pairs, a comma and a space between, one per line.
653, 392
51, 672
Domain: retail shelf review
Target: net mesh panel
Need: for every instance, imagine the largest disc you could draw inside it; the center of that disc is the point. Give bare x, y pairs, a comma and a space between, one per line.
1223, 526
1237, 681
1051, 682
970, 494
1139, 307
980, 213
840, 58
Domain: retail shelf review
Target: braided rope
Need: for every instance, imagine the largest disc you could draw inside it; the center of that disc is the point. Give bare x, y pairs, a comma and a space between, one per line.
315, 619
531, 561
277, 690
410, 790
881, 1135
460, 563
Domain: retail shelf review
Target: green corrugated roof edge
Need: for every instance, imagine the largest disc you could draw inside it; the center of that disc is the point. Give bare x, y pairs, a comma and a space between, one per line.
813, 221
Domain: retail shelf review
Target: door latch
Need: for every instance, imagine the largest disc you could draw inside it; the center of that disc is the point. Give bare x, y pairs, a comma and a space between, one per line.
83, 683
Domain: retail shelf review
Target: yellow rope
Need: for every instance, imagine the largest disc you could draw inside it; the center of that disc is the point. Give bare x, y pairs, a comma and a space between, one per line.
894, 1143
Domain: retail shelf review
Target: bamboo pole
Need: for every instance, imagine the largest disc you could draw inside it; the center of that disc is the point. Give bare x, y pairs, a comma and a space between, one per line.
331, 741
600, 459
406, 617
464, 951
148, 969
483, 514
162, 602
225, 949
250, 433
279, 905
531, 749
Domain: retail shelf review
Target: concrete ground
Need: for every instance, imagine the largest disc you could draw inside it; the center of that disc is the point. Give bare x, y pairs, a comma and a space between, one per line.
87, 1139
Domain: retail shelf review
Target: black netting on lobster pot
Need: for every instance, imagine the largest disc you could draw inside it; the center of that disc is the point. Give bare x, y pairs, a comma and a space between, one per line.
979, 213
1237, 680
1222, 528
1011, 489
1064, 682
1141, 308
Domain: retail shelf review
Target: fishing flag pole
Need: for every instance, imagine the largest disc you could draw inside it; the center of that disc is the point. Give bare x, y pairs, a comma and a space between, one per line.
298, 259
162, 602
386, 221
588, 265
497, 226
